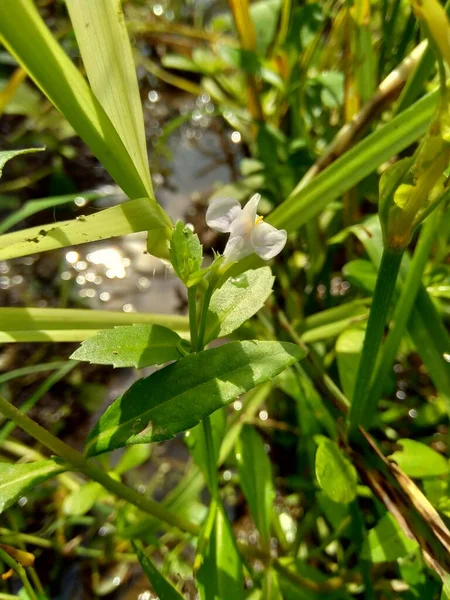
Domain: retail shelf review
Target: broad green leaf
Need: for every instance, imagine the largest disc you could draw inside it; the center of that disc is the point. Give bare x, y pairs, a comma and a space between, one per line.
255, 477
24, 319
195, 440
80, 501
418, 460
335, 473
238, 300
186, 252
179, 396
163, 587
17, 479
220, 575
387, 542
348, 350
6, 155
102, 37
128, 217
131, 346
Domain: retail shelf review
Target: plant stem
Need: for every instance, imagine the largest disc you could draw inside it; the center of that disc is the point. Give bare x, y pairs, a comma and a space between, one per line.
206, 301
21, 573
80, 463
210, 455
404, 306
192, 303
361, 412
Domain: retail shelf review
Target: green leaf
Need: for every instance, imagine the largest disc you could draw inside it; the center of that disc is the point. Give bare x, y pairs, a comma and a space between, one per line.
131, 346
255, 476
220, 575
17, 479
128, 217
26, 36
80, 501
182, 394
348, 350
186, 252
238, 300
162, 587
24, 319
6, 155
195, 440
386, 542
335, 473
419, 461
102, 37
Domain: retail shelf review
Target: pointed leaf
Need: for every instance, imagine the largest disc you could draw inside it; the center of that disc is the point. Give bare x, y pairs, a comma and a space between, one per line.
220, 575
255, 476
17, 479
160, 584
182, 394
238, 300
348, 351
131, 346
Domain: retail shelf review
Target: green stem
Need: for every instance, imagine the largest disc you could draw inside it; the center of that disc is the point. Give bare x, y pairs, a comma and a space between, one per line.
361, 412
192, 302
21, 573
210, 456
79, 462
206, 301
404, 306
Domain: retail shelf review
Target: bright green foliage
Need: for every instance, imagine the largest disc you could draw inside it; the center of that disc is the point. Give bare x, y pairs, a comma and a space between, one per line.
17, 479
6, 155
419, 460
387, 542
177, 397
220, 575
186, 252
255, 476
237, 301
131, 346
335, 473
162, 587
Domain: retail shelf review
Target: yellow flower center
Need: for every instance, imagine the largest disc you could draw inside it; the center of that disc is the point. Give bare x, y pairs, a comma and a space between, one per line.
258, 220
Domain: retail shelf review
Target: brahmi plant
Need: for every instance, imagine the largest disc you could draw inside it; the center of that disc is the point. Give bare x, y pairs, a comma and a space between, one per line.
195, 379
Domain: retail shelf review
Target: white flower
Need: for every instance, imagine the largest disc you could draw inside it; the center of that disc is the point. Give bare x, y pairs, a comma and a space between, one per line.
248, 232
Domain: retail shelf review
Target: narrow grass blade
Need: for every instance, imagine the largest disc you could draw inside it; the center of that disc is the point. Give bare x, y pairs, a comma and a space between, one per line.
106, 52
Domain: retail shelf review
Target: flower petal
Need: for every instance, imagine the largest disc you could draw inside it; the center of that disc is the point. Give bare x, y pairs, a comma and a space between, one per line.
221, 213
251, 207
237, 247
268, 241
